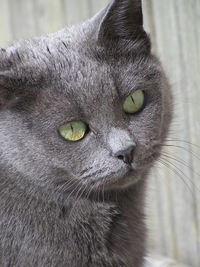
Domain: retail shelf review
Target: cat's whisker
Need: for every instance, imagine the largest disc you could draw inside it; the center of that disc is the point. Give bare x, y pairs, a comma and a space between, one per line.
63, 183
103, 193
78, 196
195, 155
99, 191
183, 163
67, 186
89, 191
176, 171
95, 192
180, 161
74, 190
182, 141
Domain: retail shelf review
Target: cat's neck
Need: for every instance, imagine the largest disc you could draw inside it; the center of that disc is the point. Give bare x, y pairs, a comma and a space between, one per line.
116, 217
15, 181
121, 216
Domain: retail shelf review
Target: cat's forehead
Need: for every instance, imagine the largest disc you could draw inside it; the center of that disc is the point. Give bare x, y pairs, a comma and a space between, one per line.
86, 77
84, 83
73, 72
73, 68
62, 61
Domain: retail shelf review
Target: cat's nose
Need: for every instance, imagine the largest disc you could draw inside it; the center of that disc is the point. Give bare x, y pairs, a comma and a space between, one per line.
126, 154
121, 144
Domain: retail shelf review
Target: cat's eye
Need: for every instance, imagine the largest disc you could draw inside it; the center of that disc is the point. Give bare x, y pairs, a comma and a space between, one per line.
73, 131
134, 102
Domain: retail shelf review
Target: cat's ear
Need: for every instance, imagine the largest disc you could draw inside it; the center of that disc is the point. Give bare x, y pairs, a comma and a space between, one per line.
9, 80
4, 79
123, 20
8, 95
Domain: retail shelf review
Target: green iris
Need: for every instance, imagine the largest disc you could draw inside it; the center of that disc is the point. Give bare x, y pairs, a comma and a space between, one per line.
134, 102
73, 131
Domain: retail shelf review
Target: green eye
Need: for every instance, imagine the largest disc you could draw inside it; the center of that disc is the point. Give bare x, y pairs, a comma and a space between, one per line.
73, 131
134, 102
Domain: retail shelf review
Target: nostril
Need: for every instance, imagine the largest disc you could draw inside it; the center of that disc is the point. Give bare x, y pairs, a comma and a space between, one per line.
126, 155
120, 157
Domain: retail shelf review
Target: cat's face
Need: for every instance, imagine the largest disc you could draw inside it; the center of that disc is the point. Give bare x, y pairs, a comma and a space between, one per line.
83, 74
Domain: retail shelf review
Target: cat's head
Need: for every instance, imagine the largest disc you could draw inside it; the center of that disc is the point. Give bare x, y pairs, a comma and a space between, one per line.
87, 105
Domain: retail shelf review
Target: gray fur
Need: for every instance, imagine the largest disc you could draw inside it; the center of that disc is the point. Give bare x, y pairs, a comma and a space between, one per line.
79, 204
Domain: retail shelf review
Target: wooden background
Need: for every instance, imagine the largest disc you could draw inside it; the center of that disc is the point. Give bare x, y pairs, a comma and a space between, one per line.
173, 202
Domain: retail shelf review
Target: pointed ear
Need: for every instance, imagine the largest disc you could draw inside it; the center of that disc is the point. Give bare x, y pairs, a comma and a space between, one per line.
123, 20
9, 81
7, 100
4, 80
8, 96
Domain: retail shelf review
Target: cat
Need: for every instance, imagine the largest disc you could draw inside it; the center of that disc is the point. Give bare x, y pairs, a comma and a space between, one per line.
83, 115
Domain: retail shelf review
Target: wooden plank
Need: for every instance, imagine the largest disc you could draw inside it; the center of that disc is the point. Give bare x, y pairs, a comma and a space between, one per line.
76, 11
5, 27
154, 210
49, 16
164, 208
191, 57
96, 6
149, 21
161, 235
22, 19
185, 199
169, 39
165, 211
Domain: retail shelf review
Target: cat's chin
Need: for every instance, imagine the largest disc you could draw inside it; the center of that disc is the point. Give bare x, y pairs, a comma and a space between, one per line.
127, 180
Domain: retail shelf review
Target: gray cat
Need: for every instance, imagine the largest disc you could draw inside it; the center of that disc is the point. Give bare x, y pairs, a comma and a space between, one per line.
83, 113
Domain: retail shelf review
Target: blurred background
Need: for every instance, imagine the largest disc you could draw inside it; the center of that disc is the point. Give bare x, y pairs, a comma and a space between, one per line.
173, 201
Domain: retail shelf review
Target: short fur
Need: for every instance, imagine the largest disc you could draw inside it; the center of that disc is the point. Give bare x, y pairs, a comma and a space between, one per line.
77, 204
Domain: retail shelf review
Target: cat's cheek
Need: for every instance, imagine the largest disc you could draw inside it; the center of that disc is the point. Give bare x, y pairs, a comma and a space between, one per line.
145, 157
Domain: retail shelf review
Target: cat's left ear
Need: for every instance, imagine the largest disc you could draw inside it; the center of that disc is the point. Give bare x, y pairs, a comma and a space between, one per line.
123, 20
10, 81
8, 93
4, 79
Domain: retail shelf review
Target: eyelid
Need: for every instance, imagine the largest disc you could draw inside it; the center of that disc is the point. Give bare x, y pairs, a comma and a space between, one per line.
72, 119
133, 91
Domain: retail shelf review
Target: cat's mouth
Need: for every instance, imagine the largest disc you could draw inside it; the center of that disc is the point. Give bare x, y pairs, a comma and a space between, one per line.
126, 176
121, 182
117, 179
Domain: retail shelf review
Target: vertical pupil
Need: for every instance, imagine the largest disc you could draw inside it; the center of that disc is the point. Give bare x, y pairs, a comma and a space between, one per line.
73, 131
132, 99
